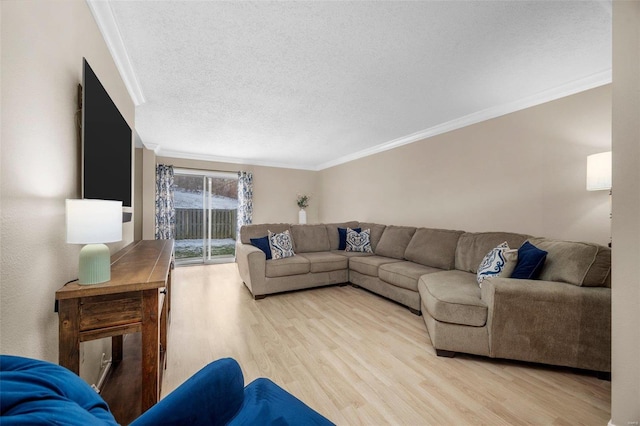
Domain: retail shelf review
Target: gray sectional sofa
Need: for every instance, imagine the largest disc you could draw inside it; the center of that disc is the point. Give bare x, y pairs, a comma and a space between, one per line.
563, 318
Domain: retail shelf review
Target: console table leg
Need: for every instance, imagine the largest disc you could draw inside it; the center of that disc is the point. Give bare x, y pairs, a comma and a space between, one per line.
163, 331
116, 349
150, 349
69, 339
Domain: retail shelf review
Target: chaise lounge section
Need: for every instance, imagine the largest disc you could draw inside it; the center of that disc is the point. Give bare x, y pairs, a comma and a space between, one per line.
562, 317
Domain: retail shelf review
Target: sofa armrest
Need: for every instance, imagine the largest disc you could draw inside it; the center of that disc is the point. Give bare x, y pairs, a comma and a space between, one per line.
549, 322
212, 396
252, 268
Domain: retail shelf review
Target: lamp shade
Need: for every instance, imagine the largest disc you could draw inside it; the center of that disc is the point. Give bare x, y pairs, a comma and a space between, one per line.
93, 221
599, 171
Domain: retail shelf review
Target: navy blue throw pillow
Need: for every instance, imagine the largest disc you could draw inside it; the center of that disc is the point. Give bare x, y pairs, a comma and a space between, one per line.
342, 235
530, 262
262, 244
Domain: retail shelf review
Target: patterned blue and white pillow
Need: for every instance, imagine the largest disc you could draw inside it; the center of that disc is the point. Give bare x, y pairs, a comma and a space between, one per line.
359, 241
498, 262
281, 245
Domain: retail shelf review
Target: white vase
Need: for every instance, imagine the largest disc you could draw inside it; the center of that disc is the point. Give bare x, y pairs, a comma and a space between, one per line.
302, 217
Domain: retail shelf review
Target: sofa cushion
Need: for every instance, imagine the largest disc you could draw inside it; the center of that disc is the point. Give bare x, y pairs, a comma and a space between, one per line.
334, 237
570, 262
281, 245
310, 238
349, 254
293, 265
368, 265
530, 262
433, 247
473, 246
376, 232
499, 262
404, 274
394, 241
453, 297
260, 230
359, 241
262, 244
324, 261
599, 274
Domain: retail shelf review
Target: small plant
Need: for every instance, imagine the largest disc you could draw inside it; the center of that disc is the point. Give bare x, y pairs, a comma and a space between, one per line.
303, 201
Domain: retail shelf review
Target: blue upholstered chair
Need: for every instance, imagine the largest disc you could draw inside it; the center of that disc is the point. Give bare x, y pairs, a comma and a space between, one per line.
34, 392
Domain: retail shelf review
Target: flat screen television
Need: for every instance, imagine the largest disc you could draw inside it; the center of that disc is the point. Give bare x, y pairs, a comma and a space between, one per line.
106, 145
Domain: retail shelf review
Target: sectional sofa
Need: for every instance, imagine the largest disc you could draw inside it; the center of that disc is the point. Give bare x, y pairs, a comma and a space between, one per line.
563, 317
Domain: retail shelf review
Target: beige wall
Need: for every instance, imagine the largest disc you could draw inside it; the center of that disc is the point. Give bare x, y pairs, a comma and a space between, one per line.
274, 189
522, 172
625, 390
43, 43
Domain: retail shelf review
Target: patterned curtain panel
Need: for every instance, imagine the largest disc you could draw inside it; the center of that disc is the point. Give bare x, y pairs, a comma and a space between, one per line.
245, 200
165, 211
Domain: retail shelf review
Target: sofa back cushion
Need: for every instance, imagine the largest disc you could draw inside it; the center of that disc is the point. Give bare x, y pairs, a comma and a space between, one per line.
332, 232
473, 247
261, 230
433, 247
310, 238
376, 231
394, 241
581, 264
601, 267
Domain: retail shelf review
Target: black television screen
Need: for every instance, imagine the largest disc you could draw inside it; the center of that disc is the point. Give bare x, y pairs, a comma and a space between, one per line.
106, 144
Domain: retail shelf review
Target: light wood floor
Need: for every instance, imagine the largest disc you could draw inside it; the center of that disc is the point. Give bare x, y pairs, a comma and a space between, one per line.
360, 359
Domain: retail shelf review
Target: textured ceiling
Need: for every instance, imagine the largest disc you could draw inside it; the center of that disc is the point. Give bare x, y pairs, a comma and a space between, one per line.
315, 83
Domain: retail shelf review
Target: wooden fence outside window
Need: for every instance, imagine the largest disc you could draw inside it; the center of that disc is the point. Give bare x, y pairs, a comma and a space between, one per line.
190, 224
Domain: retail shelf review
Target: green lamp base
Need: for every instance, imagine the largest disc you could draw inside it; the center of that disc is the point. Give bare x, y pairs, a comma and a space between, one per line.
95, 264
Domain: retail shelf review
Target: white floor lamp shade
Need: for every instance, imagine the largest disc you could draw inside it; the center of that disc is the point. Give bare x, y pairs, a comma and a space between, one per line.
94, 222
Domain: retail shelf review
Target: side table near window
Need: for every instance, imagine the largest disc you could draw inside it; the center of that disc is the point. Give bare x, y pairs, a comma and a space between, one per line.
136, 299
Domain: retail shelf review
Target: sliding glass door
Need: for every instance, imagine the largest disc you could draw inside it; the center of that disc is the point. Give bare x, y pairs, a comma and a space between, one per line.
206, 206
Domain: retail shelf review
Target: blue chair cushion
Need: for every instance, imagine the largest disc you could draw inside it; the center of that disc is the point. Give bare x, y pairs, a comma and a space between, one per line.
266, 403
212, 396
34, 392
215, 396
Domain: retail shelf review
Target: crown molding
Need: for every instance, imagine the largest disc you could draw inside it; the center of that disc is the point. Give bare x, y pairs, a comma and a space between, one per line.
591, 82
103, 15
152, 146
232, 160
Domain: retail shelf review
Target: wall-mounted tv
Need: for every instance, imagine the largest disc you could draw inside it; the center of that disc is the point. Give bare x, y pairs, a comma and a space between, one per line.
106, 144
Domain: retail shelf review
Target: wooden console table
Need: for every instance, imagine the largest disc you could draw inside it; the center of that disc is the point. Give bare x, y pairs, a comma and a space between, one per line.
136, 299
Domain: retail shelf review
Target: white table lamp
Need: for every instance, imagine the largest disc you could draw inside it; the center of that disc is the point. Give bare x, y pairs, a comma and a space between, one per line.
94, 222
